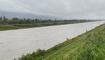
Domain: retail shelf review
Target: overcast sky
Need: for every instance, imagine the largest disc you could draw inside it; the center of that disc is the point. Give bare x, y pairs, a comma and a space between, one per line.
60, 8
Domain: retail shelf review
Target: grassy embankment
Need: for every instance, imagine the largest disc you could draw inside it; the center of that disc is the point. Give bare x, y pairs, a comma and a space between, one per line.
88, 46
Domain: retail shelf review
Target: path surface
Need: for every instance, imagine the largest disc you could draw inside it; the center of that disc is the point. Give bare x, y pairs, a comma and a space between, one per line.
15, 43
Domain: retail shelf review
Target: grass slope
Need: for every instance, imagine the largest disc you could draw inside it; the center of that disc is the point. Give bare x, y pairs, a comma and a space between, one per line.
88, 46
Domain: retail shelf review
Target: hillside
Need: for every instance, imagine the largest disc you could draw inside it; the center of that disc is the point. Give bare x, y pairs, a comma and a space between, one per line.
88, 46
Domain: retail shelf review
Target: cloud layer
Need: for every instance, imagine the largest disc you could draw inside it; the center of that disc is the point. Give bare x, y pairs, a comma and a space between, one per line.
60, 8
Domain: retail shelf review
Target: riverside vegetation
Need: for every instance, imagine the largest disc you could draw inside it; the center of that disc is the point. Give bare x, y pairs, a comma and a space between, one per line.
88, 46
18, 23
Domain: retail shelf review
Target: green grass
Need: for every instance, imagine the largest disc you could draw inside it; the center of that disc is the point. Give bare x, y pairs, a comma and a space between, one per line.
7, 27
88, 46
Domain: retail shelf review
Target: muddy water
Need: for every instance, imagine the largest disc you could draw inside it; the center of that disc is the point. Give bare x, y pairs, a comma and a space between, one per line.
15, 43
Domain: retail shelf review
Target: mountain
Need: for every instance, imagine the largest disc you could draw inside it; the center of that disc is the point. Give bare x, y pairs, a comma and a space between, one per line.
24, 15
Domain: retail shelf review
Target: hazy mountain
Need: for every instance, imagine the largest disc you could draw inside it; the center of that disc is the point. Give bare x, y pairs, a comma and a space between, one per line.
24, 15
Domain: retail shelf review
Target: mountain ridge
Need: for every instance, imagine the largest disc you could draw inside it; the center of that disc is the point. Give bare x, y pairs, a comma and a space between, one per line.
24, 15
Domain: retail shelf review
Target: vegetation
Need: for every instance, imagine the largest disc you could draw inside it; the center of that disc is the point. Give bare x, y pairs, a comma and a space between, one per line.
7, 27
16, 23
88, 46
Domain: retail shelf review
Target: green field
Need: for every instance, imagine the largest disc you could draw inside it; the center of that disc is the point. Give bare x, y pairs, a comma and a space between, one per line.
88, 46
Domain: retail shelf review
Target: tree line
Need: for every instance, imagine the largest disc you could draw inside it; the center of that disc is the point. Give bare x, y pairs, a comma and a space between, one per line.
9, 21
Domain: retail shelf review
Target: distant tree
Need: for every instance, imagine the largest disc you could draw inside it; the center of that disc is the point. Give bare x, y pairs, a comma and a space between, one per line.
5, 20
15, 19
0, 18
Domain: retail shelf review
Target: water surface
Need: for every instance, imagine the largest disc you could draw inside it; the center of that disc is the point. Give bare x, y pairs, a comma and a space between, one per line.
15, 43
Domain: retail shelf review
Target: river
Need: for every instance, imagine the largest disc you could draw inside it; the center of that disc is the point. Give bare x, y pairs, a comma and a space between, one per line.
14, 43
